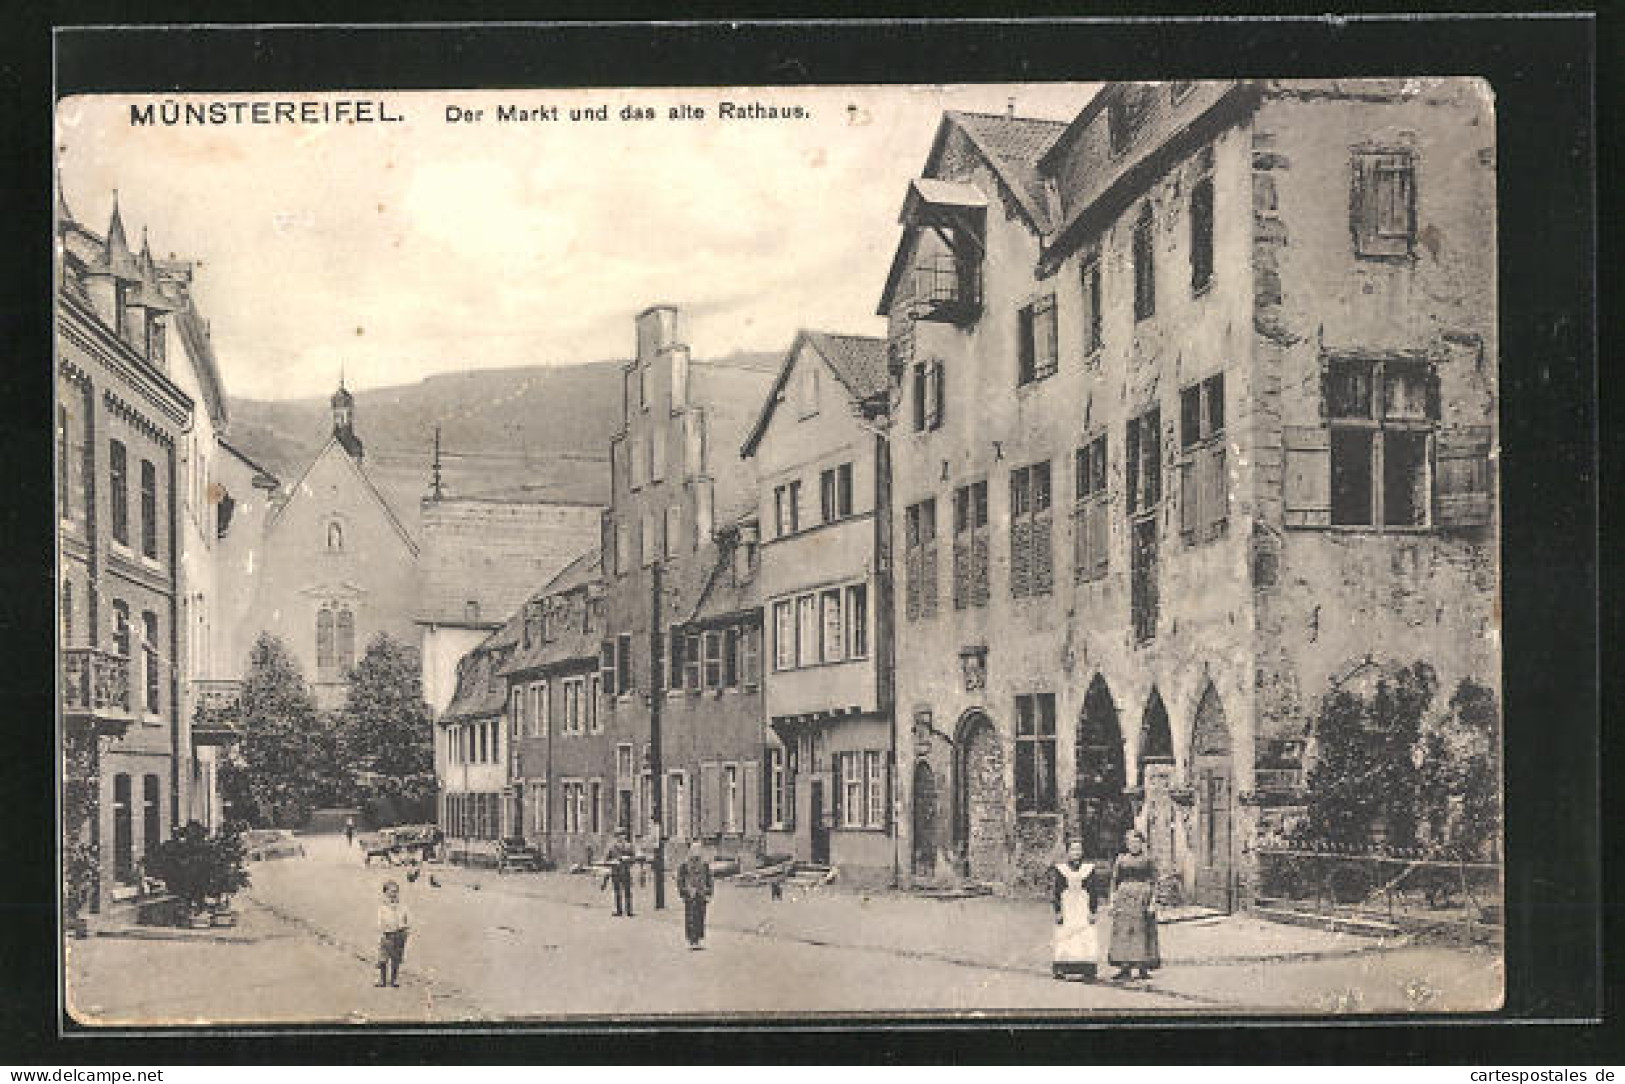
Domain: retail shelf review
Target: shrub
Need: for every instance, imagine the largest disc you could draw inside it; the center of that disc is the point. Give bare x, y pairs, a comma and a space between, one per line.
198, 868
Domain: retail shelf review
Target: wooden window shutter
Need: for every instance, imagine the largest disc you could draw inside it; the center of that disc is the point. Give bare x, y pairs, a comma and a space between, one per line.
711, 799
961, 570
1020, 559
1099, 537
1082, 561
1189, 514
837, 778
1363, 203
750, 797
1215, 493
941, 394
1463, 489
911, 589
928, 576
978, 571
1306, 478
1043, 555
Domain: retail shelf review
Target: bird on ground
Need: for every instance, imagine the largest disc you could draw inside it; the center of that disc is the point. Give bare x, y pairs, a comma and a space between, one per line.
412, 874
434, 882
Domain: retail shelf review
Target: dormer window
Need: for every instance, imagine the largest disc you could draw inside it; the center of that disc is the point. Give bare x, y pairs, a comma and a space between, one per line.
1125, 115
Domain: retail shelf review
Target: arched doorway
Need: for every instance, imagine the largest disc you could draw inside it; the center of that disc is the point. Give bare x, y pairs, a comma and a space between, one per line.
926, 820
1104, 813
1157, 783
980, 790
1215, 801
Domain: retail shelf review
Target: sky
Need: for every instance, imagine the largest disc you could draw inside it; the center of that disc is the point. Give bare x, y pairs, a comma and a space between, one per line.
395, 251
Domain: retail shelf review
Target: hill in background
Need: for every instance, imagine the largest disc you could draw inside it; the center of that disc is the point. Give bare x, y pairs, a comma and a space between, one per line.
540, 432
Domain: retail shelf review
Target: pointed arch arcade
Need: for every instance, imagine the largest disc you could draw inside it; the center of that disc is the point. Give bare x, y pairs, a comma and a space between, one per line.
1104, 812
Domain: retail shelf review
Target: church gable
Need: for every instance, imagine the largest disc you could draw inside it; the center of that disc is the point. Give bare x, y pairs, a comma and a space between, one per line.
335, 509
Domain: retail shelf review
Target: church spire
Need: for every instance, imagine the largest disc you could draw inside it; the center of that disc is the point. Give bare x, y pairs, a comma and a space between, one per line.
343, 404
118, 258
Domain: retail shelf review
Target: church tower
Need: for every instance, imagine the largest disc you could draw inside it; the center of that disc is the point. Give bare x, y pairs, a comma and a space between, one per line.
344, 421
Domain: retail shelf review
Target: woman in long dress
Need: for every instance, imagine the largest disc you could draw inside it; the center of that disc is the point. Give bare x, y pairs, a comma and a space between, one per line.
1134, 911
1077, 951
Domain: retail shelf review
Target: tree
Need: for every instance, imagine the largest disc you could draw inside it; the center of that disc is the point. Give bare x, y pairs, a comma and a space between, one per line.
387, 733
287, 760
1367, 785
1461, 767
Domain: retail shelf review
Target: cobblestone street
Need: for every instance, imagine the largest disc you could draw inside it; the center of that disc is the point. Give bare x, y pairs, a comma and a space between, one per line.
540, 946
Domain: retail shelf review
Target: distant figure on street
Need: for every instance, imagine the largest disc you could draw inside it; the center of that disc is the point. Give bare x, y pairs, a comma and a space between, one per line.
694, 884
620, 857
394, 922
1134, 910
349, 831
1077, 948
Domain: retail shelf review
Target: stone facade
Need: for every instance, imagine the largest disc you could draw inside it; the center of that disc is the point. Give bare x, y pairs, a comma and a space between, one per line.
1142, 385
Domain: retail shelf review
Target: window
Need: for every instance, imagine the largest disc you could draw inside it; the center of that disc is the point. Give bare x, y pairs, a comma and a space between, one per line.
920, 559
623, 664
786, 509
645, 385
970, 545
929, 394
648, 546
640, 462
1090, 522
1091, 304
607, 669
861, 787
595, 804
1145, 264
713, 659
751, 660
1202, 223
692, 661
344, 636
324, 639
1035, 753
676, 806
1382, 208
674, 529
835, 492
730, 799
784, 635
335, 537
541, 710
119, 491
1382, 419
594, 725
834, 628
778, 805
1204, 501
857, 621
1031, 558
657, 457
730, 658
1143, 470
809, 390
518, 701
623, 549
675, 643
806, 630
149, 658
1037, 357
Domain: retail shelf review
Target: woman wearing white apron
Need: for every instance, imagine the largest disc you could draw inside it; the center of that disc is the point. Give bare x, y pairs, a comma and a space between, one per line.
1077, 952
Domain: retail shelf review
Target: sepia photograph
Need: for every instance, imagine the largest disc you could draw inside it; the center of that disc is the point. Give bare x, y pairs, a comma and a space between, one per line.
593, 555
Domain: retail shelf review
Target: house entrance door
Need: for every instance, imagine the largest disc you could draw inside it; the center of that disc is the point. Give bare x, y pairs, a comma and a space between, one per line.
1215, 806
818, 829
925, 820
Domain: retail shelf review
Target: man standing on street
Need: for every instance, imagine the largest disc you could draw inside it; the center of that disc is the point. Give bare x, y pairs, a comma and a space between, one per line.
694, 884
620, 857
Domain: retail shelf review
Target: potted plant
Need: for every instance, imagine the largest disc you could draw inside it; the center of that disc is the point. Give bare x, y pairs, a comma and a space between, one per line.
200, 870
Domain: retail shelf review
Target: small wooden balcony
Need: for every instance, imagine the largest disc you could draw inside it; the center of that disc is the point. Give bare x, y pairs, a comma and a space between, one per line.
946, 289
96, 689
217, 711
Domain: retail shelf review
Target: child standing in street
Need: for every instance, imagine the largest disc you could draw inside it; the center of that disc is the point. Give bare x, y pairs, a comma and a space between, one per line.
393, 924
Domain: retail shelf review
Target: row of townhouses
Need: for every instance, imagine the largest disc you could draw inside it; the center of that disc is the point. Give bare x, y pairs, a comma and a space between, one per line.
1185, 416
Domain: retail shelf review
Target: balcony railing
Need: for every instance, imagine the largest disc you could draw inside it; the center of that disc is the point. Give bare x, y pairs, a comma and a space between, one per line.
946, 288
96, 683
216, 711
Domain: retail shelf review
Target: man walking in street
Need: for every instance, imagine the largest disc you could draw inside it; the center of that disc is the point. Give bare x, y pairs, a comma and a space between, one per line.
393, 924
694, 884
620, 857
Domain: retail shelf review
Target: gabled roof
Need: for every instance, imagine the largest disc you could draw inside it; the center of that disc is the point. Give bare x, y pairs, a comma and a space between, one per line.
1013, 146
271, 480
297, 489
575, 642
858, 361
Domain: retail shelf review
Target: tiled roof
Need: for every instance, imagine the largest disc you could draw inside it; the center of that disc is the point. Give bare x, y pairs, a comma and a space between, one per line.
573, 642
1014, 146
859, 362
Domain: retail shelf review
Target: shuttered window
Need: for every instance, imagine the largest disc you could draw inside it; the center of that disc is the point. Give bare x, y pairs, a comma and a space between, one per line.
920, 557
1382, 203
1090, 511
1203, 493
1031, 550
1037, 355
1463, 493
970, 546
